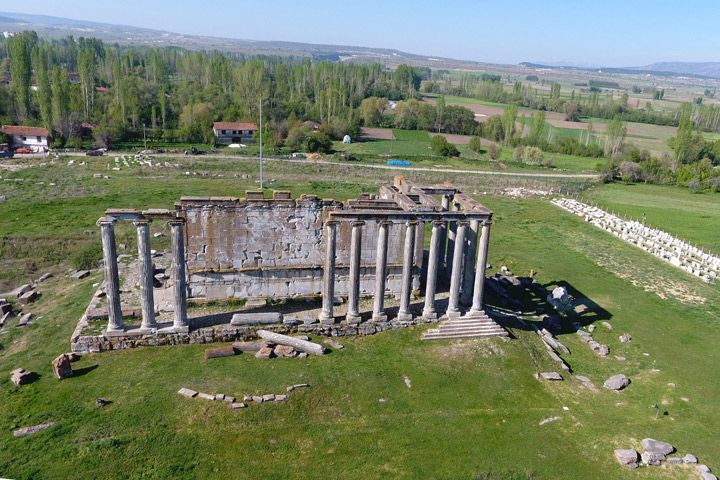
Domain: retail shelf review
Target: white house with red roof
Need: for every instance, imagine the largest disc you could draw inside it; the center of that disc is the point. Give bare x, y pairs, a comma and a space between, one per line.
34, 138
234, 132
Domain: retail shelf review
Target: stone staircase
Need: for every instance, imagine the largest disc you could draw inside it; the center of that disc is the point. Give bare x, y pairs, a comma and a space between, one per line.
468, 326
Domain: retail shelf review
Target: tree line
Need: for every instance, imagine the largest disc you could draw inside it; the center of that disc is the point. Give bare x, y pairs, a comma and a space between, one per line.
176, 94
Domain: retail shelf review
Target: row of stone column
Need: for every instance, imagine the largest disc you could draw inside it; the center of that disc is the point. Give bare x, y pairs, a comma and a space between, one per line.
460, 271
112, 280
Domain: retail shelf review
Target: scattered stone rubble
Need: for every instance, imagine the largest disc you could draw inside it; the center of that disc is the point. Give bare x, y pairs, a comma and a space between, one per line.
654, 453
657, 242
616, 382
25, 431
601, 349
61, 367
247, 399
20, 376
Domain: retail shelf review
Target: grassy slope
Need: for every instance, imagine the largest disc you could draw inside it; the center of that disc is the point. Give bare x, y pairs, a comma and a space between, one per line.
691, 216
467, 412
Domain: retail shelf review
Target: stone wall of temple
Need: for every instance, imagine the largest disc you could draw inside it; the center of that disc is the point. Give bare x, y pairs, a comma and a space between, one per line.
256, 248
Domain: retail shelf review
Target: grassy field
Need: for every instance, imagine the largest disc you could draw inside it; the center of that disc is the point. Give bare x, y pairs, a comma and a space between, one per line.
690, 216
473, 408
414, 146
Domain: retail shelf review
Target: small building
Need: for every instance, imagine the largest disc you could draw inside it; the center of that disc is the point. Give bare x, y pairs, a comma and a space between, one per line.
234, 132
34, 138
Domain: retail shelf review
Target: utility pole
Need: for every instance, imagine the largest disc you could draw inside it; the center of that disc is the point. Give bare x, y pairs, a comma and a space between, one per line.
261, 157
144, 137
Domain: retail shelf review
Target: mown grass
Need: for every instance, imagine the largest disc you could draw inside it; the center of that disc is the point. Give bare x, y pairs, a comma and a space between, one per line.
473, 407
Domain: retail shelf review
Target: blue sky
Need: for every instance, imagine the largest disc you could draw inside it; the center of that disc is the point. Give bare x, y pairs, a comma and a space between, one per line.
601, 32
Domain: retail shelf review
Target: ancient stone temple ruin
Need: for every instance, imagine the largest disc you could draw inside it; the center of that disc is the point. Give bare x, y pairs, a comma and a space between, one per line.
282, 248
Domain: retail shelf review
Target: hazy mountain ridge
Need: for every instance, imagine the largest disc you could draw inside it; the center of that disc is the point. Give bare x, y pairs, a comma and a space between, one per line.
58, 27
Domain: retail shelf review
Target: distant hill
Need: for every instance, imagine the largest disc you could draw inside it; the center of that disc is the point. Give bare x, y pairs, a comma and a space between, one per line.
661, 69
57, 27
702, 69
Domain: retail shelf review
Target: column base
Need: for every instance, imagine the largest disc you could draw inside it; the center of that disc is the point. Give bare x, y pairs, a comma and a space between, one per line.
476, 313
430, 315
326, 319
453, 313
115, 332
174, 329
404, 317
145, 330
352, 319
379, 317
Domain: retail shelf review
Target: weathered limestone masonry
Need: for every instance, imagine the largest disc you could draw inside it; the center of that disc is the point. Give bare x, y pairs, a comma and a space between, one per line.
693, 260
254, 247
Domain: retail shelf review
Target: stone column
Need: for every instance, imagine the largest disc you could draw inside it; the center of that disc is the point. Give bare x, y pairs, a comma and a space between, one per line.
380, 272
450, 252
479, 288
180, 321
328, 293
456, 278
404, 313
112, 279
147, 298
353, 313
468, 275
433, 265
445, 202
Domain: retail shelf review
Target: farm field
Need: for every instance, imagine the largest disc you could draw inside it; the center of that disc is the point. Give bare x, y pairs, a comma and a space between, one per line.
644, 136
359, 419
690, 216
414, 146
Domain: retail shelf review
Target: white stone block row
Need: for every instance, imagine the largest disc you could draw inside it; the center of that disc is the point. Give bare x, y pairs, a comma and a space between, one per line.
663, 245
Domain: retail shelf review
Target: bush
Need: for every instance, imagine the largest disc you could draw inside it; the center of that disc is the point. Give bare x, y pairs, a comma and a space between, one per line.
494, 151
318, 142
531, 156
87, 257
296, 137
475, 144
441, 146
630, 171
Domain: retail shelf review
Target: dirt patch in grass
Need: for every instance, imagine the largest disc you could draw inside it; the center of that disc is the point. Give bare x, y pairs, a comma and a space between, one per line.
367, 133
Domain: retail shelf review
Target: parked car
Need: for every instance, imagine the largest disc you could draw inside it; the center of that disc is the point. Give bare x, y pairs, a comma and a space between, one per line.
23, 150
6, 153
95, 153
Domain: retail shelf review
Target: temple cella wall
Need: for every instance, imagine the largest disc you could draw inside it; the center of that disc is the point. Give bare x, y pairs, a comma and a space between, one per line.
255, 248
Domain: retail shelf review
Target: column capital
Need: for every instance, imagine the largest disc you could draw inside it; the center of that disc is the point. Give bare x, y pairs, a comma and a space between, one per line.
411, 222
487, 222
358, 223
439, 223
330, 222
141, 221
463, 223
105, 221
384, 222
176, 221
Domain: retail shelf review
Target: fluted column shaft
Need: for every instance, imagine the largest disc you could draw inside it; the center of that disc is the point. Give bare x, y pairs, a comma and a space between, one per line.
112, 279
353, 314
328, 294
479, 287
177, 230
147, 298
380, 273
406, 287
456, 278
432, 273
468, 274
